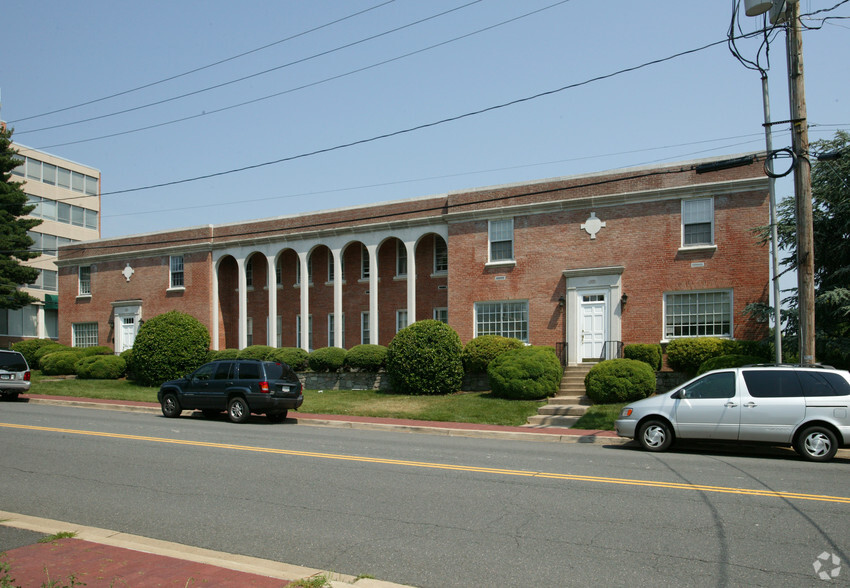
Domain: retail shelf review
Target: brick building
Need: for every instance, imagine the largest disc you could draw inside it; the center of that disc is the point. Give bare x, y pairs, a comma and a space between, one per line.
582, 263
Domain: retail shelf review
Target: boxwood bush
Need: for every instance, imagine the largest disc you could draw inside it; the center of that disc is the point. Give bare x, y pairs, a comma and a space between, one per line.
619, 380
100, 367
127, 356
47, 349
424, 359
326, 359
222, 354
366, 358
260, 352
29, 347
294, 357
728, 361
61, 363
649, 353
168, 347
478, 353
687, 355
526, 373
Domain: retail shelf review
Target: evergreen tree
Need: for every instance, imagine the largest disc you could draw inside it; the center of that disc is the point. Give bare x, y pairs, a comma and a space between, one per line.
14, 242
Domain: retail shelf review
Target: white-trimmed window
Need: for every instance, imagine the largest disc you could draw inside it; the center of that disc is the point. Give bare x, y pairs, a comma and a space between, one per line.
364, 263
364, 328
249, 272
176, 271
84, 280
279, 331
330, 267
309, 271
501, 236
309, 332
332, 326
400, 319
508, 319
85, 334
400, 259
441, 255
697, 222
698, 314
250, 333
442, 315
278, 276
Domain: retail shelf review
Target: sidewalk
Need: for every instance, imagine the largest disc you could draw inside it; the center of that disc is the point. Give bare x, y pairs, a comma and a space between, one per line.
104, 558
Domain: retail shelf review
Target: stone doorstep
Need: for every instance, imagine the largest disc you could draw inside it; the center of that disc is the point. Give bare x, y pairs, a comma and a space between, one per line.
562, 399
562, 410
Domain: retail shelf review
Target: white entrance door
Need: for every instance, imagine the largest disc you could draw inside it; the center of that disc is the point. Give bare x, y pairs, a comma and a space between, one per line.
593, 327
128, 332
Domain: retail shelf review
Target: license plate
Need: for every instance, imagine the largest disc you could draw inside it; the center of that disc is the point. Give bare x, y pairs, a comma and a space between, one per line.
7, 376
284, 388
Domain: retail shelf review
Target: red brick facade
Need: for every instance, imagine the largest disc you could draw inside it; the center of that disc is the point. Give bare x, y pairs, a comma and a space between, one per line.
578, 243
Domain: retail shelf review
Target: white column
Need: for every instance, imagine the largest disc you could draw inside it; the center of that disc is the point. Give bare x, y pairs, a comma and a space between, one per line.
242, 281
305, 301
271, 332
215, 309
373, 293
411, 281
40, 324
337, 257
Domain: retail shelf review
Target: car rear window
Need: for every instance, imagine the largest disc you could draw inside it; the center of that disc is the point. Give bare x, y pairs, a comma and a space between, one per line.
823, 384
13, 362
773, 383
279, 371
249, 371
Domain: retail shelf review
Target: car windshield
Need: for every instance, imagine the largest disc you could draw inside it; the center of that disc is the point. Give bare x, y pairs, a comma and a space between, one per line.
12, 362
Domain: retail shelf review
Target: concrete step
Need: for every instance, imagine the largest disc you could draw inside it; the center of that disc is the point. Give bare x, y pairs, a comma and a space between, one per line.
579, 399
552, 421
562, 410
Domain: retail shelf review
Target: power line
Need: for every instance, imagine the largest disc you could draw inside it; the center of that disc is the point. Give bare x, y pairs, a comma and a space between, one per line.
203, 67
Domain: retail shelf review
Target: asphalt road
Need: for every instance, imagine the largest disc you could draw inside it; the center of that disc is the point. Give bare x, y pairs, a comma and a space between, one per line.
433, 511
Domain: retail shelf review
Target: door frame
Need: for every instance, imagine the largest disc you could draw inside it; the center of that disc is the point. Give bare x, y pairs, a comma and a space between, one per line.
582, 305
120, 310
595, 280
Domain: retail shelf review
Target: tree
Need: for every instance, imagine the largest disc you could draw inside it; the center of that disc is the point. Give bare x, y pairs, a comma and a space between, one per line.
831, 220
14, 242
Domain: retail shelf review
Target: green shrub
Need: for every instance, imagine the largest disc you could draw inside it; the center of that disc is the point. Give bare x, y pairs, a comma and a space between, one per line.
222, 354
29, 347
728, 361
47, 349
526, 373
127, 356
424, 359
366, 358
687, 355
169, 346
294, 357
260, 352
97, 350
649, 353
478, 353
326, 359
619, 380
60, 363
100, 367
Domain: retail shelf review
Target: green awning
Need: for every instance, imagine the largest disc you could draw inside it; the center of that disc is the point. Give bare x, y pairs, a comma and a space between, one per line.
51, 302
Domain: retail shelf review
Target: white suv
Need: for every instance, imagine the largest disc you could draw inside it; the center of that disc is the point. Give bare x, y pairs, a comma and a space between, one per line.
806, 407
14, 374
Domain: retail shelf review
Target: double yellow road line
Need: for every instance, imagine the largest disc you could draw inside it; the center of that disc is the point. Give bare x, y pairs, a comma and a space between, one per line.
441, 466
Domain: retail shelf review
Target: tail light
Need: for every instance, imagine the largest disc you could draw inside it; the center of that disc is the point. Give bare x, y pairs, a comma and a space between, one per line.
264, 387
26, 376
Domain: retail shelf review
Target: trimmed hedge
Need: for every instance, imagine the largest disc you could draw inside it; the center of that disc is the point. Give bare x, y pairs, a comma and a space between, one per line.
687, 355
649, 353
728, 361
366, 358
326, 359
46, 350
222, 354
127, 356
478, 353
619, 380
260, 352
526, 373
424, 359
100, 367
294, 357
169, 346
29, 347
61, 363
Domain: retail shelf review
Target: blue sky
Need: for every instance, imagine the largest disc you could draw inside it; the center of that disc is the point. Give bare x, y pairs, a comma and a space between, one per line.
342, 83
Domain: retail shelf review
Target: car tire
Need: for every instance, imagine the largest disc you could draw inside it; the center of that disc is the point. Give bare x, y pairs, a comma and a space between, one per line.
277, 417
170, 405
237, 410
655, 435
816, 443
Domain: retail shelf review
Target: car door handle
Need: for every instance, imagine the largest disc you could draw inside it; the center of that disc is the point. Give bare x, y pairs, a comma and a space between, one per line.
751, 405
731, 404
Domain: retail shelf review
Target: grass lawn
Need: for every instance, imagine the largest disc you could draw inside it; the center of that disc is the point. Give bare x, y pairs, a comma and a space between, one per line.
467, 407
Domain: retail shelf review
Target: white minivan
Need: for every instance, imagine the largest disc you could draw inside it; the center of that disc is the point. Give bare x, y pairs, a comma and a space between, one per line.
806, 407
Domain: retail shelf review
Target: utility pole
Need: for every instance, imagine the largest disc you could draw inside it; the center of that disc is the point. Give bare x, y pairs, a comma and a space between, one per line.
802, 187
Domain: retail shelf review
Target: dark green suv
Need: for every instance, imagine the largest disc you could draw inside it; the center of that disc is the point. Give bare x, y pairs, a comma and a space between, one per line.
239, 386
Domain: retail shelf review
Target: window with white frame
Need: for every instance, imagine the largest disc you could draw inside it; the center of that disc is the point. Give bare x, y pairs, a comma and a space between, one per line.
84, 334
249, 272
279, 331
250, 333
309, 332
501, 236
364, 328
400, 319
400, 259
442, 315
176, 265
508, 319
330, 267
84, 280
441, 255
364, 263
698, 314
278, 275
309, 271
332, 327
697, 222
